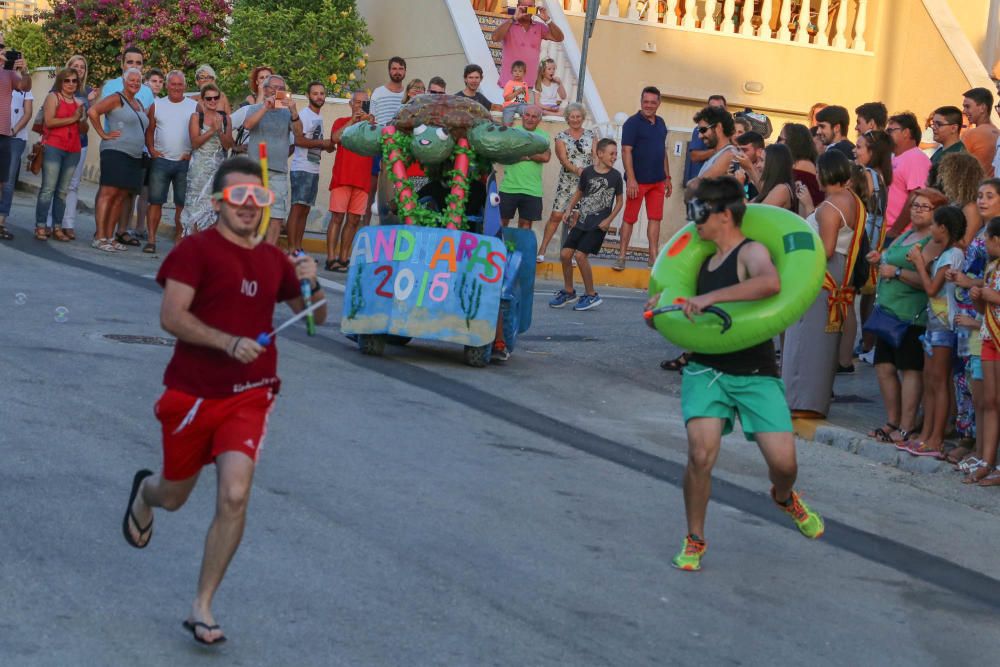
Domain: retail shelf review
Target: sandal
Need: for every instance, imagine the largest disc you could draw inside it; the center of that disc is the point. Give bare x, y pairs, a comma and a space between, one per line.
344, 266
127, 239
192, 627
331, 264
968, 464
677, 364
121, 247
923, 449
958, 454
136, 483
106, 246
884, 434
978, 473
40, 234
992, 479
149, 248
58, 235
5, 235
70, 234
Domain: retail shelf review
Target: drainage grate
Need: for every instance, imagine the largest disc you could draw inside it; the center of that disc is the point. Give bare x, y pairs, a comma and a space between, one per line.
850, 398
141, 340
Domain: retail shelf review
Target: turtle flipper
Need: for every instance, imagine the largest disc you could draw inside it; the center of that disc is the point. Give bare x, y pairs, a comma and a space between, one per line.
505, 145
363, 138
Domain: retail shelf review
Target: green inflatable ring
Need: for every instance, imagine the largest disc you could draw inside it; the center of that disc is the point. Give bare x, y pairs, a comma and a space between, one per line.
797, 253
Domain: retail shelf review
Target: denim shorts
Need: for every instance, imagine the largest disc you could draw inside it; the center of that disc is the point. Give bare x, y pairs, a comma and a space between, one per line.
162, 174
937, 338
304, 188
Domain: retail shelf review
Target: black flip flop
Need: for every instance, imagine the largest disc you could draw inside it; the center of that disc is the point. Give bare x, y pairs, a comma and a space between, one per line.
344, 267
193, 629
677, 364
136, 483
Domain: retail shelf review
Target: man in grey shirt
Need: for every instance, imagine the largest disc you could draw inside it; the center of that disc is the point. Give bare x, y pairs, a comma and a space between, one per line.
274, 123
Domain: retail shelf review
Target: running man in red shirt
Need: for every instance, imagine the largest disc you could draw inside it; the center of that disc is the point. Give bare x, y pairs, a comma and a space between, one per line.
220, 290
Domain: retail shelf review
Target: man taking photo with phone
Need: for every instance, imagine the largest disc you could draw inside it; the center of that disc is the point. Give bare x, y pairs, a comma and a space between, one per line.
270, 122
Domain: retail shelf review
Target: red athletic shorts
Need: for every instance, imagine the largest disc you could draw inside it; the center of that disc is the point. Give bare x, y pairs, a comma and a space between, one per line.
196, 430
990, 351
653, 194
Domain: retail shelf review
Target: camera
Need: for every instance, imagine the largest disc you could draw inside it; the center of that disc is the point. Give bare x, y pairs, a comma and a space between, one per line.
12, 57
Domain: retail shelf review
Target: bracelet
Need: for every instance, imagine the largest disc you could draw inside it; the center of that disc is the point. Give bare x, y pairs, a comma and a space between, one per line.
232, 351
295, 120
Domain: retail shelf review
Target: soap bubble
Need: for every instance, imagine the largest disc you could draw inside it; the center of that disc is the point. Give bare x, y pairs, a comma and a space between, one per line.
62, 314
20, 298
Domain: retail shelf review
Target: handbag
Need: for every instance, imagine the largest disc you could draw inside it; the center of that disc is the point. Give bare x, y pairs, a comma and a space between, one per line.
35, 158
886, 326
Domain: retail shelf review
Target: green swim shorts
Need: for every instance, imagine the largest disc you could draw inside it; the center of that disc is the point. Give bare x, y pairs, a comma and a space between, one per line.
758, 400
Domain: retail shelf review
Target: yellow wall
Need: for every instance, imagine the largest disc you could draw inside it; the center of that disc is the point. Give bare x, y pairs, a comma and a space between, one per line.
973, 16
421, 32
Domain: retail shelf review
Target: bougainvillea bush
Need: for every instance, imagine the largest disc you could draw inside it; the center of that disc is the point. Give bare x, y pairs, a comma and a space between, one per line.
305, 40
174, 34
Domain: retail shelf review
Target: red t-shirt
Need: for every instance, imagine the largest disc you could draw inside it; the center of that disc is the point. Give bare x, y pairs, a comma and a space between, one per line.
349, 168
236, 290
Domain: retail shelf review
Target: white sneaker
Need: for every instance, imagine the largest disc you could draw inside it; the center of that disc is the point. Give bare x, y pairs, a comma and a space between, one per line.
868, 357
540, 259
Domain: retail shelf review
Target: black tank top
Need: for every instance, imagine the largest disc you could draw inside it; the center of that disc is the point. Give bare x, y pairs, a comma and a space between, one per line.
756, 360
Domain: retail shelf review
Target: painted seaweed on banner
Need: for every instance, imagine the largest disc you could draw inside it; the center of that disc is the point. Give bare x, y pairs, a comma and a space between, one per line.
423, 282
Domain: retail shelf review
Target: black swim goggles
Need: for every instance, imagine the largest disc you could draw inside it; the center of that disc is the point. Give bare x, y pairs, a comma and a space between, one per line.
698, 210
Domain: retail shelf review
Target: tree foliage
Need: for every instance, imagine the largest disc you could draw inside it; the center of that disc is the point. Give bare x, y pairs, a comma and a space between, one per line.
304, 40
25, 35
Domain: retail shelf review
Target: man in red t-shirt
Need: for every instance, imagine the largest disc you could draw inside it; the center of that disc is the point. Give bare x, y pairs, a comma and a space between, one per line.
349, 188
220, 290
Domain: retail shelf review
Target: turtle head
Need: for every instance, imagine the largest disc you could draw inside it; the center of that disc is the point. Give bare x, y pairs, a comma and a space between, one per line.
363, 138
505, 145
431, 144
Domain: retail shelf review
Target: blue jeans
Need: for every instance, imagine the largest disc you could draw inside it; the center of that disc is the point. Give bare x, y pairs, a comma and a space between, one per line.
7, 195
57, 171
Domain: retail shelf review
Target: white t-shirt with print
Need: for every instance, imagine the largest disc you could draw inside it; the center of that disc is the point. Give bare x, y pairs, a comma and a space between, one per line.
307, 159
17, 101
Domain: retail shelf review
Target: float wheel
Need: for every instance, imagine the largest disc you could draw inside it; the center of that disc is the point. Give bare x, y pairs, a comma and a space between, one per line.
478, 357
372, 345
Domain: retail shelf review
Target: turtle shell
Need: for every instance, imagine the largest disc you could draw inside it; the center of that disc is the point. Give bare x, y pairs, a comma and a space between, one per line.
454, 114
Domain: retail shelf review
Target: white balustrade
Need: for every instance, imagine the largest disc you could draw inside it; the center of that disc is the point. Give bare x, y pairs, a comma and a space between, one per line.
766, 16
746, 18
728, 14
784, 33
840, 41
822, 23
860, 25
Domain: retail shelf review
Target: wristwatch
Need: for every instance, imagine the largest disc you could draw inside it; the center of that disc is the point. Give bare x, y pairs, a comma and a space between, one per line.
898, 273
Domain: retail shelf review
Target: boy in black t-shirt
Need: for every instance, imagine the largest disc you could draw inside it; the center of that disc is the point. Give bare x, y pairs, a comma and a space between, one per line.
596, 202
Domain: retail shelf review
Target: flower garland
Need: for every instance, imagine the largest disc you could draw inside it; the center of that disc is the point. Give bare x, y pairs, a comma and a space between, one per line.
396, 148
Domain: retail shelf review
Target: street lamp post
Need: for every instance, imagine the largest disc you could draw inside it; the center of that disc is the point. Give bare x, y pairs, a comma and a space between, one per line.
588, 30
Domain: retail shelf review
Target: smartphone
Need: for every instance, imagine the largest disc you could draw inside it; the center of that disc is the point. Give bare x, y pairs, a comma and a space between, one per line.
733, 166
12, 57
366, 106
280, 98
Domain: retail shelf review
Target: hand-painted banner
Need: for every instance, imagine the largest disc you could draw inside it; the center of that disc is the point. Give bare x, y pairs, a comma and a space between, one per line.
424, 282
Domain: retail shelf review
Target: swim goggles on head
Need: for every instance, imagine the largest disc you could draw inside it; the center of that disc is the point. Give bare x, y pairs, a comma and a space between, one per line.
698, 210
237, 195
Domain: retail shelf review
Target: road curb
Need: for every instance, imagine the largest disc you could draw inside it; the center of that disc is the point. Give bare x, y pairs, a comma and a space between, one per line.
880, 452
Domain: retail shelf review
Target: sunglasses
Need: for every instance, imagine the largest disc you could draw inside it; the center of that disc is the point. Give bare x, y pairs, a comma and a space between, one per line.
239, 194
921, 207
71, 81
214, 98
704, 130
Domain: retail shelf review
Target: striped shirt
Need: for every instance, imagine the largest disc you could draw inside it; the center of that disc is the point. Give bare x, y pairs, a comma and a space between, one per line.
385, 104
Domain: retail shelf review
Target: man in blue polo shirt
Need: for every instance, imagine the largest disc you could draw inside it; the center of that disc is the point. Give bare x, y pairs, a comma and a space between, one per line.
131, 58
697, 151
647, 173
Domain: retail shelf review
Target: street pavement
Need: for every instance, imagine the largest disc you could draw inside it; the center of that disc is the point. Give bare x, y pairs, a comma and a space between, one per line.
409, 510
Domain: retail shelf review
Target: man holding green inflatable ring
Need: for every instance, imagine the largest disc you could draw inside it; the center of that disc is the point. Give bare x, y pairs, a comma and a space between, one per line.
718, 387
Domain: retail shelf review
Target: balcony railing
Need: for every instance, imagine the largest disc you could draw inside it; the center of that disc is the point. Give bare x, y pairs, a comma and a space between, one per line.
830, 24
11, 8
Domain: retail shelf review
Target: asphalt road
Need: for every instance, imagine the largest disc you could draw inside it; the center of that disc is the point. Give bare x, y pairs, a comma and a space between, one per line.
410, 510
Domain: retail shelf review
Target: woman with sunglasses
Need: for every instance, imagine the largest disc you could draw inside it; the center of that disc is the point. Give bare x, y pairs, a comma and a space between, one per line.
901, 295
576, 149
64, 116
210, 138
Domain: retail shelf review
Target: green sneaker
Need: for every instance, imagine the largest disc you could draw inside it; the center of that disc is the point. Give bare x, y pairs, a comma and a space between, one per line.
690, 556
810, 523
